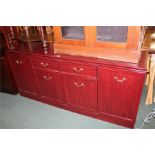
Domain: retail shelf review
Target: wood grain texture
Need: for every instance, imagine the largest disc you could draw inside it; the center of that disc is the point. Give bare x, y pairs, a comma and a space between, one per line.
132, 56
134, 33
49, 84
78, 68
93, 91
4, 30
90, 47
23, 73
7, 82
45, 63
80, 92
118, 93
58, 38
90, 33
7, 78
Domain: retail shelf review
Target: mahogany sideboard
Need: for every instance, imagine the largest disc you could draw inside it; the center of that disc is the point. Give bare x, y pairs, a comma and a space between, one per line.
108, 90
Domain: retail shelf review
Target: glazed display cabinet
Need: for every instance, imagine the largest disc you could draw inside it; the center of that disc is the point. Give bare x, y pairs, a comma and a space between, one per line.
120, 43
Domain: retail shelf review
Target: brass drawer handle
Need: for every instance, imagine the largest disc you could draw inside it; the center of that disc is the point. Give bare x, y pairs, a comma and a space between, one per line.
77, 70
120, 81
44, 64
47, 78
79, 85
19, 62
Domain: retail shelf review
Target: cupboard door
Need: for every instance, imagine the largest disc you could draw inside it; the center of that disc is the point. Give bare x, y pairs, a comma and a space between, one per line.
80, 92
23, 73
71, 35
117, 37
119, 93
49, 84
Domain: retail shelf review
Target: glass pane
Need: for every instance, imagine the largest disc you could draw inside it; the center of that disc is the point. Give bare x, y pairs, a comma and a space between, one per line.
112, 33
72, 32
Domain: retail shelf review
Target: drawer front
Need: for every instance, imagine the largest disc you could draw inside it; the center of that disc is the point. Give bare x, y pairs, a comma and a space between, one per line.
79, 68
18, 58
45, 63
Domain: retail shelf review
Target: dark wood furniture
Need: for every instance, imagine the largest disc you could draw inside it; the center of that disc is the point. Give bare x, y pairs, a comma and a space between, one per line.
7, 82
89, 70
100, 88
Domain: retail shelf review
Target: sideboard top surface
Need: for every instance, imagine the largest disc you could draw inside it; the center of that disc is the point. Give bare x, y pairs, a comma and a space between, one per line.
37, 49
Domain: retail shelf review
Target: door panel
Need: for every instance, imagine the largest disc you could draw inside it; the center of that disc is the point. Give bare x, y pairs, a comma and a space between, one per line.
118, 92
80, 92
49, 84
23, 73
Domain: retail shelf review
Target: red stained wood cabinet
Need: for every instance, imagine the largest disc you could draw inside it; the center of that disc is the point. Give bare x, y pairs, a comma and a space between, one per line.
103, 90
95, 71
23, 73
80, 85
48, 78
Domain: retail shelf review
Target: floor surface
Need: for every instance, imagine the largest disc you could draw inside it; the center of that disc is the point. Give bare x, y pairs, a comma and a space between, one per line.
17, 112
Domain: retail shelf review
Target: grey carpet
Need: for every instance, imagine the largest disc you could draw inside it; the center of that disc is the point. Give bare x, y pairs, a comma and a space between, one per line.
17, 112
